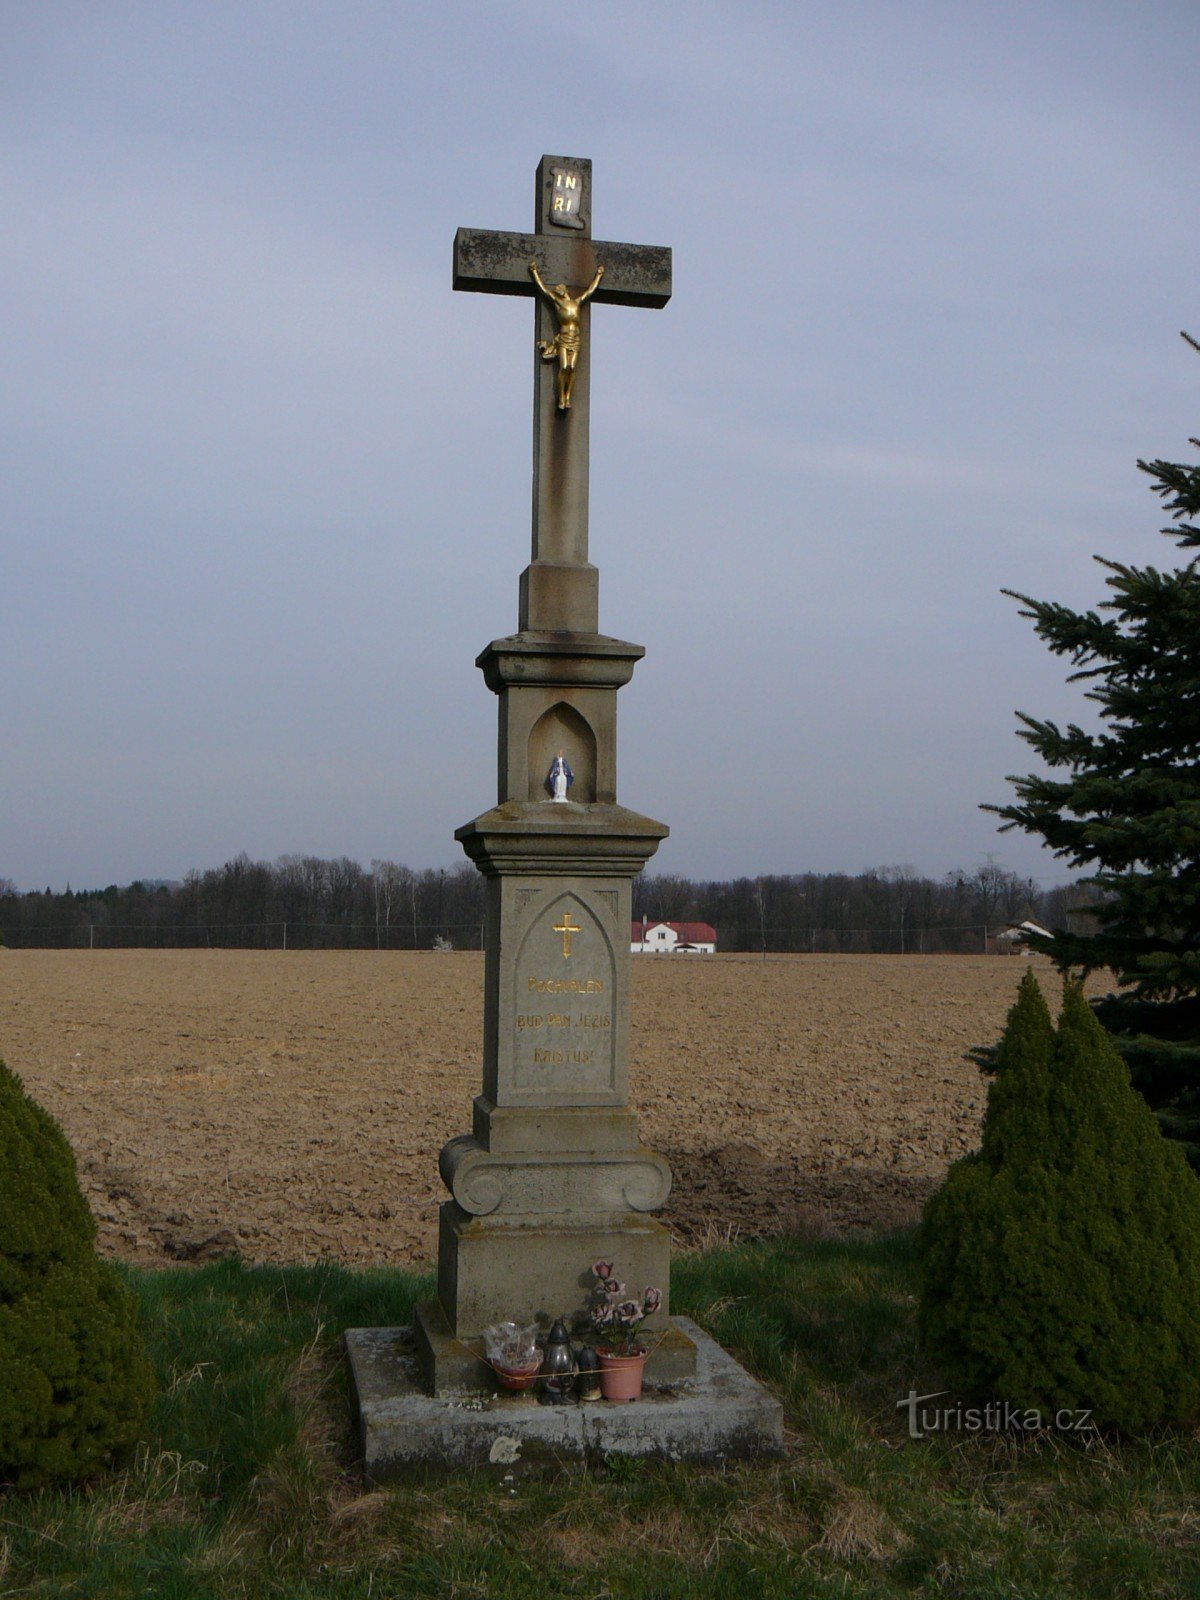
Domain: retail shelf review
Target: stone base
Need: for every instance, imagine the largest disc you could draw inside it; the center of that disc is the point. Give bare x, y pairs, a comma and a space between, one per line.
559, 595
531, 1270
721, 1413
450, 1367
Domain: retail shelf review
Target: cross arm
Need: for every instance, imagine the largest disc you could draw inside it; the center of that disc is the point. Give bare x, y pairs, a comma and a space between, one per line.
491, 262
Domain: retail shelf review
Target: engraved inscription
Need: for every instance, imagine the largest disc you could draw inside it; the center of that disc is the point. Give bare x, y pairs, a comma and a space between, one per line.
566, 985
563, 1018
560, 1058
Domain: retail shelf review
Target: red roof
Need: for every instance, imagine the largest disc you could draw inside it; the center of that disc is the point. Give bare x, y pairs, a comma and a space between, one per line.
685, 932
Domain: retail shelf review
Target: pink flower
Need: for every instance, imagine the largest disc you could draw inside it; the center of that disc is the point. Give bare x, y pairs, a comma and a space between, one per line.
614, 1289
629, 1312
602, 1269
652, 1301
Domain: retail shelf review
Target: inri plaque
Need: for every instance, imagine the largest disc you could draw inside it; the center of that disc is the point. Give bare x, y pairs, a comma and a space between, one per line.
565, 197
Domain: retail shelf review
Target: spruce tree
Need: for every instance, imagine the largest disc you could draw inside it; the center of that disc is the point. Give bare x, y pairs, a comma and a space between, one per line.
75, 1379
1128, 808
1061, 1261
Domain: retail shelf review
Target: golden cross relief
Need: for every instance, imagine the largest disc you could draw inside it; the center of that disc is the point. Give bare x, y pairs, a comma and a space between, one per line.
566, 927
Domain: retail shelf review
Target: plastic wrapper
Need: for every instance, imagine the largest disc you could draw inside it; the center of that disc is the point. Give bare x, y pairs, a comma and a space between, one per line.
512, 1347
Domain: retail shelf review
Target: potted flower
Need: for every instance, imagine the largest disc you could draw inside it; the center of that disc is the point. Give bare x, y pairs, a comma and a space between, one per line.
616, 1319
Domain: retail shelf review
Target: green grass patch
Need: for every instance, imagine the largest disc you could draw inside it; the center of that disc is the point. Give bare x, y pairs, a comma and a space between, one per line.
247, 1488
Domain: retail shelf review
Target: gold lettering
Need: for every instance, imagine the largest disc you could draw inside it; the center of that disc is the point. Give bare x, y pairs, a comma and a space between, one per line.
559, 203
564, 985
570, 180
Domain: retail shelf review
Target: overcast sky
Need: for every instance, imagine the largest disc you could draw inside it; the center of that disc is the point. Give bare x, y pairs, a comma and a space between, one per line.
264, 479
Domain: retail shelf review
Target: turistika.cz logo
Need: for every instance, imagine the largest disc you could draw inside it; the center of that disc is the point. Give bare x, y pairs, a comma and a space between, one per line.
997, 1416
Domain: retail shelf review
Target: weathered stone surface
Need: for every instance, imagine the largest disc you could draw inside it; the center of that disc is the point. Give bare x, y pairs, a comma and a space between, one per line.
532, 1267
526, 1183
540, 1128
490, 261
536, 837
557, 657
558, 692
559, 594
720, 1413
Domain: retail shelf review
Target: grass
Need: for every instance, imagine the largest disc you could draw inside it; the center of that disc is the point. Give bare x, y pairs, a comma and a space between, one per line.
247, 1489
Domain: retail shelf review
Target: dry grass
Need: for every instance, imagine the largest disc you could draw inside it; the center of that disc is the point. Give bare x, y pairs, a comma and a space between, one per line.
857, 1529
155, 1490
770, 1508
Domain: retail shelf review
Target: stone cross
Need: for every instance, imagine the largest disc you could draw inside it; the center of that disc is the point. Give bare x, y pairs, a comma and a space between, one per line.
559, 588
552, 1176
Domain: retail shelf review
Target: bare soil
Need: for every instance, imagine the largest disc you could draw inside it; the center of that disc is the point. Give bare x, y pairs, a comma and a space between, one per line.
291, 1106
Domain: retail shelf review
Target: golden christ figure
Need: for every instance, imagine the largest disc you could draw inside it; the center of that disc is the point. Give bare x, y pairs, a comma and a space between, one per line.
564, 347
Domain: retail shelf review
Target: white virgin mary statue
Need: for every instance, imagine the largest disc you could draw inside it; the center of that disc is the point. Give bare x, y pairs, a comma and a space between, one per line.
560, 777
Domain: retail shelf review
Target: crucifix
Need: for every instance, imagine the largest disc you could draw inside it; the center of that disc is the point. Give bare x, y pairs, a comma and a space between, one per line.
565, 271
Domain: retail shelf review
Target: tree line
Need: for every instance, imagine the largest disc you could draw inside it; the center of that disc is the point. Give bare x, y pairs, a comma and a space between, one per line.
884, 910
302, 902
305, 902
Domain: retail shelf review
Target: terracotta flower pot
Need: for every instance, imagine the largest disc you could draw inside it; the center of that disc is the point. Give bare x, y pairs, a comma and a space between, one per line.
621, 1376
515, 1379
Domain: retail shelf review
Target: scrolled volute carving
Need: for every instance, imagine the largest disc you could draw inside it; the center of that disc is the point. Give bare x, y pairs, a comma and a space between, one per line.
647, 1183
483, 1182
471, 1175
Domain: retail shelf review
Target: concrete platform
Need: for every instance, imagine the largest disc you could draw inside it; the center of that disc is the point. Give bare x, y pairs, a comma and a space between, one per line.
722, 1413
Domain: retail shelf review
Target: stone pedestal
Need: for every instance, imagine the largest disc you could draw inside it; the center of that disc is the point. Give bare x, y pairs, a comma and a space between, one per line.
552, 1176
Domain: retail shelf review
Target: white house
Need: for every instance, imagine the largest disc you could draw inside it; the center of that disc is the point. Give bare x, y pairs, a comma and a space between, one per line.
672, 939
1014, 940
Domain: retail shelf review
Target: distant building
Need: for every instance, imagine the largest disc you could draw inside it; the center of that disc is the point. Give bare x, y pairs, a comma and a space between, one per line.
1014, 940
672, 938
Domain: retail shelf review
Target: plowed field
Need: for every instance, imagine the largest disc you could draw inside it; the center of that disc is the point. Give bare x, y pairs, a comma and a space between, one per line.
291, 1106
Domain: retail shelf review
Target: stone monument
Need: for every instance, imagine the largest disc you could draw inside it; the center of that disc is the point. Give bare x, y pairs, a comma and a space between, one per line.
552, 1176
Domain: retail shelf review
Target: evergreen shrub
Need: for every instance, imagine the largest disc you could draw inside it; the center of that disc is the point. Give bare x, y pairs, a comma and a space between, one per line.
75, 1380
1123, 803
1061, 1262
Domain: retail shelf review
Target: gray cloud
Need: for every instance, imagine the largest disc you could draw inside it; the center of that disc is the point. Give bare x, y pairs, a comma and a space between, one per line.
264, 478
